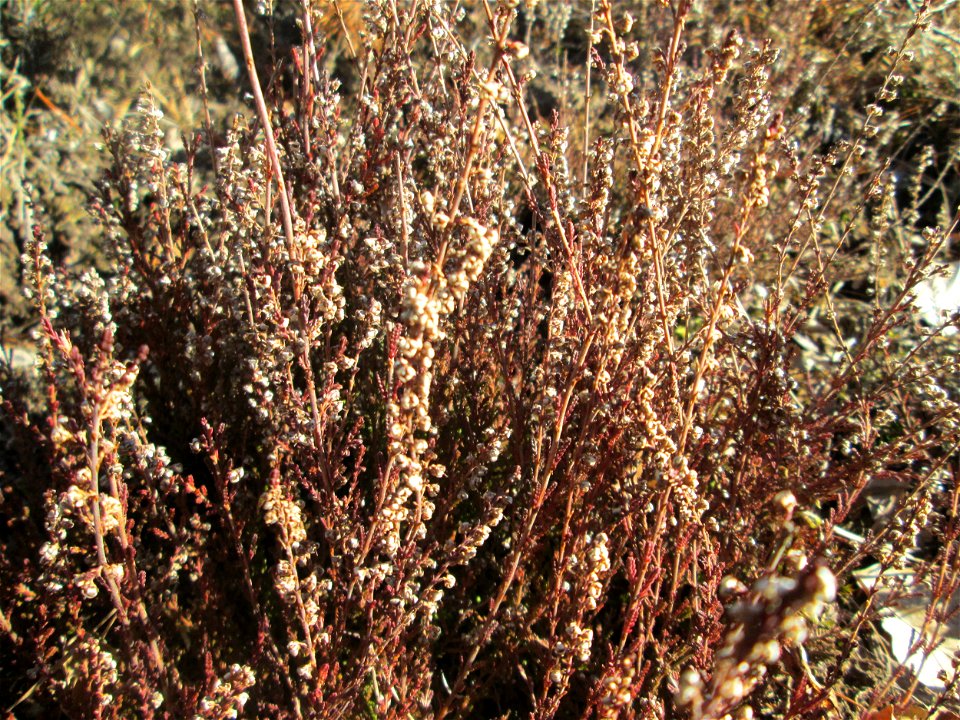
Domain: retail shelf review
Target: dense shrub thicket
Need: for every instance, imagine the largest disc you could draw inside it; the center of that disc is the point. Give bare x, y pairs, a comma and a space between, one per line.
546, 363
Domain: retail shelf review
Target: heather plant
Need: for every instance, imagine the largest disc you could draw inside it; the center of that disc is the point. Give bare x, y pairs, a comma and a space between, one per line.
66, 70
406, 396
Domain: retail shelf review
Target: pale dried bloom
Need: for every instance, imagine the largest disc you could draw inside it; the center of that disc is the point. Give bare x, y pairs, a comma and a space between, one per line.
617, 693
772, 614
279, 510
286, 581
74, 498
229, 694
88, 587
111, 513
787, 500
580, 641
114, 572
597, 566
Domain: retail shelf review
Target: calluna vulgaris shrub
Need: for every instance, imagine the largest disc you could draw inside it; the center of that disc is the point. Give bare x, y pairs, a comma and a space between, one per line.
411, 397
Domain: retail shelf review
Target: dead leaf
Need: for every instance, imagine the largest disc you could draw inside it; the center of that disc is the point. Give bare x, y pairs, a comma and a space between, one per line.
938, 297
904, 620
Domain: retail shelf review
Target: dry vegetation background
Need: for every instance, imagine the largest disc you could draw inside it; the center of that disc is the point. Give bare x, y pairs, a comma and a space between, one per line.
559, 362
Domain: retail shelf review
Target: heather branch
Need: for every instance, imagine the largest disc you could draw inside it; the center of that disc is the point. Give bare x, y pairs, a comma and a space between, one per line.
540, 483
96, 401
622, 88
286, 213
543, 168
